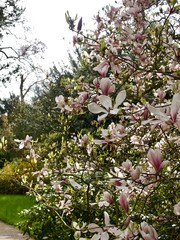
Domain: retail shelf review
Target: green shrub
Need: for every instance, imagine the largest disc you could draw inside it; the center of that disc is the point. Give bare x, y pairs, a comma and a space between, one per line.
10, 176
42, 223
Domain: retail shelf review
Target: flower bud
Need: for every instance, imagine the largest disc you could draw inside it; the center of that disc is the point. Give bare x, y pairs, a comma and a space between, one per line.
107, 197
123, 202
148, 232
155, 158
127, 165
135, 173
77, 235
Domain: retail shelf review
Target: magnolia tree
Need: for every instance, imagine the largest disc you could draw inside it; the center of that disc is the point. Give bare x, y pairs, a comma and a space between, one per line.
118, 177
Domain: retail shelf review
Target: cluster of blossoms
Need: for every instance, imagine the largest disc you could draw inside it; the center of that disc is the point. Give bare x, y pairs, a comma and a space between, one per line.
71, 104
122, 173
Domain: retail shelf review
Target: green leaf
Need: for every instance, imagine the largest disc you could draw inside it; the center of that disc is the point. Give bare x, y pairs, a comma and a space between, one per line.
102, 44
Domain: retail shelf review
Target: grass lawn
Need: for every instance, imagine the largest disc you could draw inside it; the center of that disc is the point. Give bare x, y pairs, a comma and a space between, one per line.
11, 205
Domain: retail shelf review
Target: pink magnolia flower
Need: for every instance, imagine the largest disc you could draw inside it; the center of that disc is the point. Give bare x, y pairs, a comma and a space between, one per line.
175, 108
116, 68
155, 158
147, 231
127, 165
123, 201
57, 187
24, 142
106, 86
102, 68
83, 97
102, 233
112, 134
96, 83
116, 182
107, 108
32, 155
107, 197
135, 173
84, 140
161, 94
168, 116
60, 101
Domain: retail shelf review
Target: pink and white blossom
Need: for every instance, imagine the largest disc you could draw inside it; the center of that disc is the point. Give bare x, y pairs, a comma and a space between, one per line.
135, 173
168, 115
60, 101
107, 197
155, 159
147, 231
123, 201
24, 142
175, 109
107, 107
112, 134
106, 86
83, 97
102, 68
127, 165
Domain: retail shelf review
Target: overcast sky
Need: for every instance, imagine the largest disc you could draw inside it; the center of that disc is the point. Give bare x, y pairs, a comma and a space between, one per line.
47, 17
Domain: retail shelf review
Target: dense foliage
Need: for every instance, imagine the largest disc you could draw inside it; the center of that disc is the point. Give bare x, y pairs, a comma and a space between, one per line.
111, 169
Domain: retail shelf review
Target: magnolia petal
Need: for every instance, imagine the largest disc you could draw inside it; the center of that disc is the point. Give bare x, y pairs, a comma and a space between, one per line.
164, 163
74, 184
94, 108
97, 141
96, 236
103, 116
146, 236
175, 106
115, 231
106, 219
177, 209
144, 122
104, 236
123, 201
120, 98
92, 227
114, 111
177, 124
155, 158
75, 225
105, 101
158, 113
21, 145
102, 68
105, 85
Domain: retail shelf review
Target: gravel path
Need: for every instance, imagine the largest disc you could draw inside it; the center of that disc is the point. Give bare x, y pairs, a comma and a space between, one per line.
11, 233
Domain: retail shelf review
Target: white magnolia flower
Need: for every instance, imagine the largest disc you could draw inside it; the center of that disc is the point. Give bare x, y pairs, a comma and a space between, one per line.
107, 107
